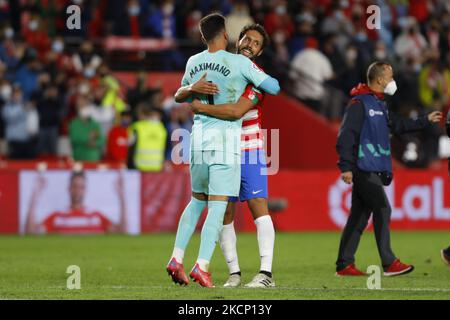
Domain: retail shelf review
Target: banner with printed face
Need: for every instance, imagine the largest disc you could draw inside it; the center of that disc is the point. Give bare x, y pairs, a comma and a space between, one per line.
114, 201
90, 202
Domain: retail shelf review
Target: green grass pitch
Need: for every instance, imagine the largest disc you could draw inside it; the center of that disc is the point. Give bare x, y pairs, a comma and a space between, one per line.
126, 267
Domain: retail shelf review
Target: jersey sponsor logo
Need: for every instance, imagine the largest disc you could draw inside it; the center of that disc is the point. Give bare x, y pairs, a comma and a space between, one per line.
373, 113
209, 66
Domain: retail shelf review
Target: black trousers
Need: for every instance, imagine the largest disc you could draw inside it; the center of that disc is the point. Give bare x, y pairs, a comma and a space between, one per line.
368, 197
22, 149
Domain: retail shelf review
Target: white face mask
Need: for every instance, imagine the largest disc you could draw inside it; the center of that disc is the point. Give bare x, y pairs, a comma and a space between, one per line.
280, 10
89, 73
83, 88
134, 11
390, 88
9, 33
380, 54
33, 25
57, 46
6, 92
84, 113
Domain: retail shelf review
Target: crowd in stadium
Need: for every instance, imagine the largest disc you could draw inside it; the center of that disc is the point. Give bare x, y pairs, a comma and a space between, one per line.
52, 77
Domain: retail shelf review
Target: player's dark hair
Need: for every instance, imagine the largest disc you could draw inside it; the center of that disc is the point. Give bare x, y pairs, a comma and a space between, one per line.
375, 70
258, 28
211, 25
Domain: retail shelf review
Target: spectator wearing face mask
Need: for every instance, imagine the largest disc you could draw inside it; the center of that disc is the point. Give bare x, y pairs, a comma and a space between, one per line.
279, 19
85, 134
36, 36
27, 77
161, 22
237, 19
8, 47
131, 23
56, 59
410, 45
147, 141
304, 29
352, 72
86, 61
20, 126
434, 85
49, 107
337, 22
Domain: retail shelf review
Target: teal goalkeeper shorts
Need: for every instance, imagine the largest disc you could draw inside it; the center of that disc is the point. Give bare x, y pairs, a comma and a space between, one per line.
215, 173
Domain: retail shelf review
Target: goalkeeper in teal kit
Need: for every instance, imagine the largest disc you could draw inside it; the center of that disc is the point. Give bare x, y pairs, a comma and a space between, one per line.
215, 144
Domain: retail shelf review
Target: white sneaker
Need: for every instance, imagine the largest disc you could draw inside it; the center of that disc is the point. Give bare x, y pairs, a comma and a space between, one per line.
233, 281
261, 281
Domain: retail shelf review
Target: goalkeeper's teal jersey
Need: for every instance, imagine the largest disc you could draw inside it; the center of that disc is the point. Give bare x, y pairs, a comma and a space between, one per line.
231, 73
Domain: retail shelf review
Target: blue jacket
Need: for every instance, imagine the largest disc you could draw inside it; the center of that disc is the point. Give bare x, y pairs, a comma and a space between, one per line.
15, 116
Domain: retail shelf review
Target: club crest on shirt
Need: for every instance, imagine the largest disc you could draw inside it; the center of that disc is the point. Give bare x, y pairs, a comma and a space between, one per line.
256, 68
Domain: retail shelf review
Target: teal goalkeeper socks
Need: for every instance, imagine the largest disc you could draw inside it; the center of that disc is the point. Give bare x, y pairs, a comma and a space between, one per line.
188, 222
211, 229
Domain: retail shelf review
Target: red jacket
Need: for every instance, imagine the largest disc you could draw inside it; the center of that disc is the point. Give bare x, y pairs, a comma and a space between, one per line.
117, 145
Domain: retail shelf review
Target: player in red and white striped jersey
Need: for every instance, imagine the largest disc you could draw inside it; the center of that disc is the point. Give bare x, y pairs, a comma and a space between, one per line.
252, 41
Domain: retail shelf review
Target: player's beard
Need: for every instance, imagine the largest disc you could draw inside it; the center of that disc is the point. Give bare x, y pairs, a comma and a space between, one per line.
251, 57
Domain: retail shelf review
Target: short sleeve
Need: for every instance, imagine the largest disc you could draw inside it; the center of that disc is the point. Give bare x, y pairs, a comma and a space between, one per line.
185, 80
252, 72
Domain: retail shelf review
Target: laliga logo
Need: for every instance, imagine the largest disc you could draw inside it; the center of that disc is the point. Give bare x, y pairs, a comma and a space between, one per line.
373, 113
423, 202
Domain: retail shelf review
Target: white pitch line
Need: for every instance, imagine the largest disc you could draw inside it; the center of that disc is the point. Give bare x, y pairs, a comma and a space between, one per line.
269, 289
295, 288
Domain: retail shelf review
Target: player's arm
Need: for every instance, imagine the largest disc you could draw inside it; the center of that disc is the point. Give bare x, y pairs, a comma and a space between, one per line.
400, 125
348, 139
201, 86
270, 85
32, 226
227, 111
122, 227
259, 78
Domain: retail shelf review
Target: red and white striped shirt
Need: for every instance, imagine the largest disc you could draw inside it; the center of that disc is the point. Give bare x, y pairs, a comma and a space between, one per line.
252, 137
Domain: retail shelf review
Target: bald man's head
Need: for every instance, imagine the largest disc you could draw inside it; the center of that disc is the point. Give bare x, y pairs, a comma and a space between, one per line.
380, 78
376, 70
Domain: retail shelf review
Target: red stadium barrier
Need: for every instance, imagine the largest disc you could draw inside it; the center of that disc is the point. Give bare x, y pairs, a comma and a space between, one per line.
9, 202
319, 200
316, 200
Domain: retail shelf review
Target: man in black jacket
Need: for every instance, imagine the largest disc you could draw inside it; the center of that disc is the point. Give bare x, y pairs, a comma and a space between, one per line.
363, 146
